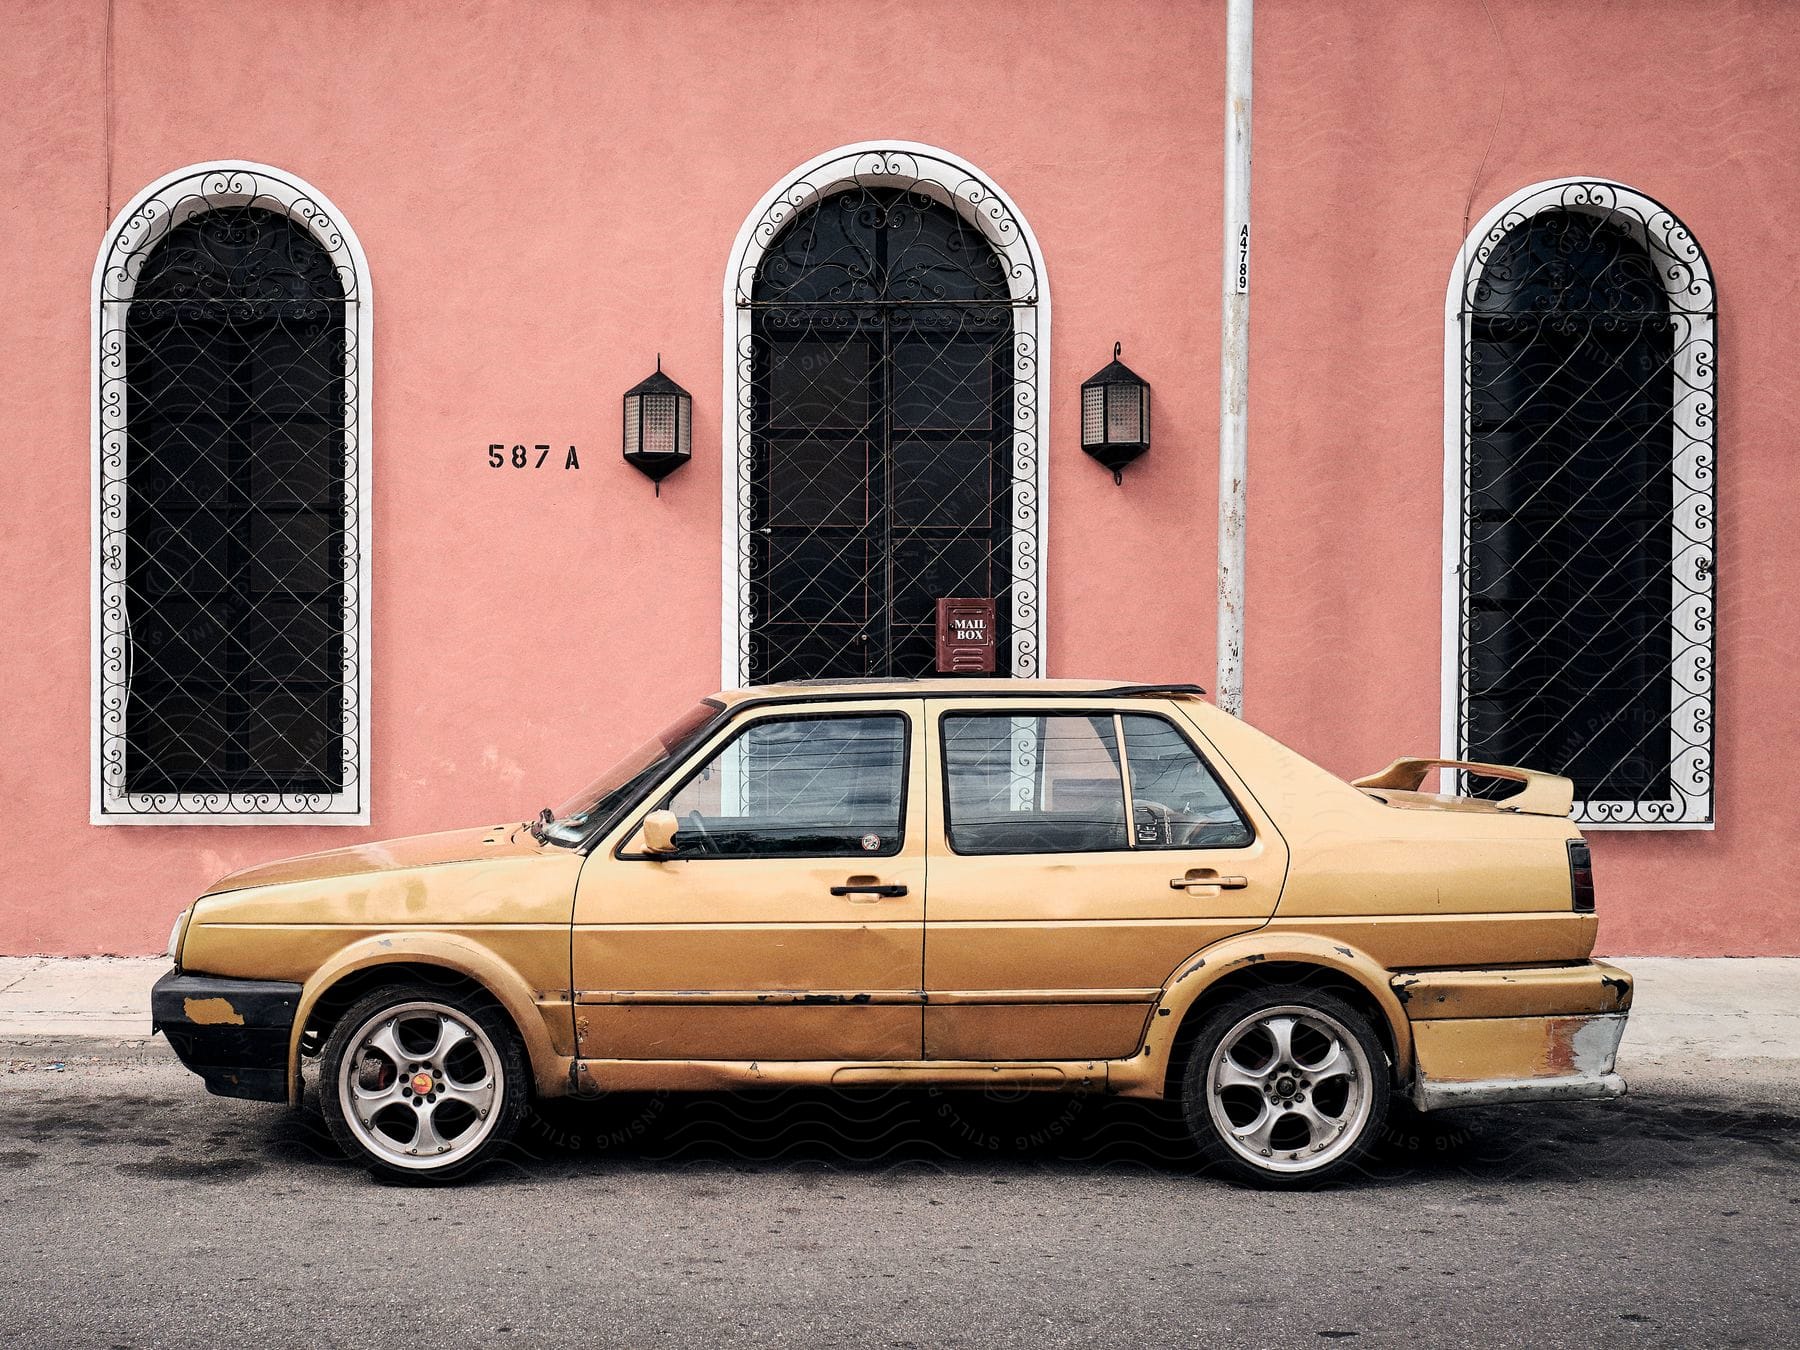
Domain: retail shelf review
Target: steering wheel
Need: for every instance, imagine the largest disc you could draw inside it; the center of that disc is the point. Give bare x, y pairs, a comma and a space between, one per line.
1162, 815
695, 822
1179, 829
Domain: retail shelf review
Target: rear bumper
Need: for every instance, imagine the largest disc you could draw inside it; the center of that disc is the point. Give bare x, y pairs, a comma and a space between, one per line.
1429, 1096
1515, 1035
233, 1033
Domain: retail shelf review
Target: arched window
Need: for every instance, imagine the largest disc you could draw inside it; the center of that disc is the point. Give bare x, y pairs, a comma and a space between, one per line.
230, 682
1581, 545
883, 357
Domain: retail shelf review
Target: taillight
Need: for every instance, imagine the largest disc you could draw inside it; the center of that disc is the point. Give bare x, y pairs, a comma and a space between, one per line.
1581, 877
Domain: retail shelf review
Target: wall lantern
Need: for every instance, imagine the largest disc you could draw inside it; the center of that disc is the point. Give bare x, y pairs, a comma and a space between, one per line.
1115, 416
659, 426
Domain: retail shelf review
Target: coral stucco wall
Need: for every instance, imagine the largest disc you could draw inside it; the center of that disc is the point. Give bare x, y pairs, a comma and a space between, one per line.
548, 192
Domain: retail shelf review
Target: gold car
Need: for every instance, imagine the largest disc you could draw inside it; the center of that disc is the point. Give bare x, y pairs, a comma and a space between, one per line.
1063, 885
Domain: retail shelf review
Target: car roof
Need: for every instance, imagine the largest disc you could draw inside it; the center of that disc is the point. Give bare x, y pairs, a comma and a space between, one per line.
949, 687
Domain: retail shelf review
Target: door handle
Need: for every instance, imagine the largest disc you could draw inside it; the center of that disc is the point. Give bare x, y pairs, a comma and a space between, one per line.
1210, 880
874, 890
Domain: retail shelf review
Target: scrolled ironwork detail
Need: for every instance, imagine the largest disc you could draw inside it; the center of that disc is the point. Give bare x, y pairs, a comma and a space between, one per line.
1584, 561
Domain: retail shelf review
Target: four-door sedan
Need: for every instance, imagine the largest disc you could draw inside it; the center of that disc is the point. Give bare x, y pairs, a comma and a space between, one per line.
1062, 885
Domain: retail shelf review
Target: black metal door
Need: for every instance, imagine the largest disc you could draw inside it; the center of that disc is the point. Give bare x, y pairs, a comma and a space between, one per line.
882, 388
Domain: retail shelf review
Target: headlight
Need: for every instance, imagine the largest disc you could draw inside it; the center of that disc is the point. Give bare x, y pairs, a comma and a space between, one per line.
175, 936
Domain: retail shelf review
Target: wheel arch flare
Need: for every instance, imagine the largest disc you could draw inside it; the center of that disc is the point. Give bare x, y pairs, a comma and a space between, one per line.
1251, 959
446, 952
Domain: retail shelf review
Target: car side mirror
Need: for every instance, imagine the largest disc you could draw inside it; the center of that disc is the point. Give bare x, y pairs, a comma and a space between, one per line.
659, 832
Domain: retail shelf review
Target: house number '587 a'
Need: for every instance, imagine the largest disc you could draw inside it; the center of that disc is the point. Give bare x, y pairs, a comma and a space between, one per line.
526, 456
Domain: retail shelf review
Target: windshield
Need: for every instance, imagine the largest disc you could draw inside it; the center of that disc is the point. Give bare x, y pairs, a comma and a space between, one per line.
594, 807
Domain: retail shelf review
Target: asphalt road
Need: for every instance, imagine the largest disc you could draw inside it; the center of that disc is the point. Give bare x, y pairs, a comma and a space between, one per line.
137, 1211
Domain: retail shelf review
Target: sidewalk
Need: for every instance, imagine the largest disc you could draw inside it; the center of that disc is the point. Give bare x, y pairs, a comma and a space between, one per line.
101, 996
1686, 1008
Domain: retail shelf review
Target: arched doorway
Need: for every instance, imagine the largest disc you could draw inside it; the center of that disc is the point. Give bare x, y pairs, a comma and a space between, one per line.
884, 365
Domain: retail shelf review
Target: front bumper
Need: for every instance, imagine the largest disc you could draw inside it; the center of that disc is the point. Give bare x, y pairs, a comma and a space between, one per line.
1515, 1035
233, 1033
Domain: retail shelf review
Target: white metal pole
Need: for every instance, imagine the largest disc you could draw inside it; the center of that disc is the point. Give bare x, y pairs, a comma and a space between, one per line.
1234, 357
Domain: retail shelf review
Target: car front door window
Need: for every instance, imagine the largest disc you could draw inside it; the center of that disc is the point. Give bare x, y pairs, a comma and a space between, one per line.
799, 787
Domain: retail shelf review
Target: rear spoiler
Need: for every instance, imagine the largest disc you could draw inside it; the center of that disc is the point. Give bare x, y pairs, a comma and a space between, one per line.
1544, 794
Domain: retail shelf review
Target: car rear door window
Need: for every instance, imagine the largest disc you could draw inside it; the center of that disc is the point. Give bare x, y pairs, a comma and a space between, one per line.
1176, 799
815, 787
1034, 783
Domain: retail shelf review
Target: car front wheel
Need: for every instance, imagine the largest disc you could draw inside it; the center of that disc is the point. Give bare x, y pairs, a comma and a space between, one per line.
1286, 1087
421, 1084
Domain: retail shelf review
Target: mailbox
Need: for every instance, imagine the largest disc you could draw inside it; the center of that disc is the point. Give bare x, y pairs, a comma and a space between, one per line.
965, 636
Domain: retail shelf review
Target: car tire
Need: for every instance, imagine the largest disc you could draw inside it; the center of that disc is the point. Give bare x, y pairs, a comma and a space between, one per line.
422, 1084
1286, 1087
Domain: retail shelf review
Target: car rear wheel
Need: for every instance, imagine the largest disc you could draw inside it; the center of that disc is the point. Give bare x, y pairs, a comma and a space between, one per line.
1286, 1087
421, 1084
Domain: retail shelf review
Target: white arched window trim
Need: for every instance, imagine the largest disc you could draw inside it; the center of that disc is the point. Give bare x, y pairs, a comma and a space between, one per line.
958, 184
134, 233
1689, 283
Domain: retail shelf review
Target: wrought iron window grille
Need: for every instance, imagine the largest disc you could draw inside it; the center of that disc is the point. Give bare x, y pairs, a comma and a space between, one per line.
1582, 555
231, 482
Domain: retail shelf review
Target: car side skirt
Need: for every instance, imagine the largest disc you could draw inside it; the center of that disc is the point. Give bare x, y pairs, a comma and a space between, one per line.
696, 1075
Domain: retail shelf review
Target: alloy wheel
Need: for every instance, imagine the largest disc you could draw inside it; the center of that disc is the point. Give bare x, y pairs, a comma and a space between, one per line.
1288, 1089
420, 1085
